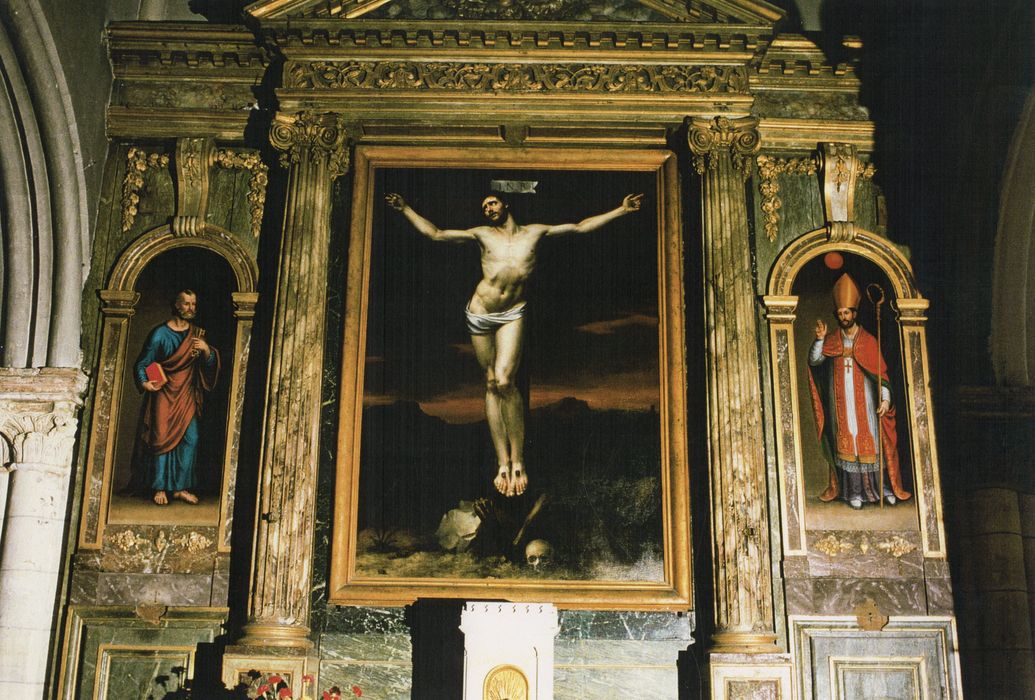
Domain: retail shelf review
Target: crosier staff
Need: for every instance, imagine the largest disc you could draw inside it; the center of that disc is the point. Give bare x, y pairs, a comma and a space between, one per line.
872, 290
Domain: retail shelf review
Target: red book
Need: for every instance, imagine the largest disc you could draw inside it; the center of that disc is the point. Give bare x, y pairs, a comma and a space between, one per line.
155, 374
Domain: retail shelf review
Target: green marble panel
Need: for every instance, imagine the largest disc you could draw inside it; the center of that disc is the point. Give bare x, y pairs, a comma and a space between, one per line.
602, 653
603, 683
378, 681
228, 205
141, 673
157, 201
131, 657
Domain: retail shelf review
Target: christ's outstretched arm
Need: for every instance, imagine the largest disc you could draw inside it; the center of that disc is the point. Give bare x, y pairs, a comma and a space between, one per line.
425, 227
631, 203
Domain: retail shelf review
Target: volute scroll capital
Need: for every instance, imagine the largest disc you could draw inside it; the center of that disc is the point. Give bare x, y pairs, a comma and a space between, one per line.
323, 135
710, 137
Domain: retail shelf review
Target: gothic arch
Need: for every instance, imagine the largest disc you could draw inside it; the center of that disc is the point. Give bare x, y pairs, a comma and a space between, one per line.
43, 204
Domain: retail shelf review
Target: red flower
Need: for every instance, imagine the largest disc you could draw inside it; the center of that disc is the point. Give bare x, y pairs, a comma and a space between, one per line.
262, 688
308, 678
357, 691
274, 679
284, 692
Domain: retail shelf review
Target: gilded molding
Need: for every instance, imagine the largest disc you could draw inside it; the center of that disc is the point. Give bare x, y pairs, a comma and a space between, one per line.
252, 162
708, 137
768, 169
194, 158
686, 43
322, 134
516, 77
138, 161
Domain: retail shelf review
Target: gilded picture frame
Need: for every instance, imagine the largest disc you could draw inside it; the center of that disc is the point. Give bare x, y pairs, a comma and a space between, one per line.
654, 232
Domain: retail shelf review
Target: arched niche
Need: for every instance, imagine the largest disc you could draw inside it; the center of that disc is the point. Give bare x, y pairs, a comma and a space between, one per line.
119, 304
909, 311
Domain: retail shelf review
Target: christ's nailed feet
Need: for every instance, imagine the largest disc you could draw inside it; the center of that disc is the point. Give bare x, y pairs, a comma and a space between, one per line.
518, 480
160, 498
186, 497
502, 480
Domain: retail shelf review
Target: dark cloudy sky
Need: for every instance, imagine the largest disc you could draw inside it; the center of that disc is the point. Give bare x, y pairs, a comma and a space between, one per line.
593, 303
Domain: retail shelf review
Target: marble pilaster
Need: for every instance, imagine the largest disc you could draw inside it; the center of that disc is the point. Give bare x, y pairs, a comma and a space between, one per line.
314, 149
722, 149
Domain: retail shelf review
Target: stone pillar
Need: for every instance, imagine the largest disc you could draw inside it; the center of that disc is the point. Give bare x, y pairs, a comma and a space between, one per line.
38, 419
722, 150
315, 152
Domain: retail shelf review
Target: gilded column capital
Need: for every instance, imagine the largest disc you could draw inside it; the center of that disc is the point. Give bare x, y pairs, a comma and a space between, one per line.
324, 135
737, 138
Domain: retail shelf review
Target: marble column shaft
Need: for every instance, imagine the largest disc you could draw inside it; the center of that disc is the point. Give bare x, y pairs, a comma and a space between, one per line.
38, 419
740, 534
314, 151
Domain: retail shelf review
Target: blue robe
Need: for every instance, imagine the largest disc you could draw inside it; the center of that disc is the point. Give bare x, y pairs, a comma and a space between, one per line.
172, 470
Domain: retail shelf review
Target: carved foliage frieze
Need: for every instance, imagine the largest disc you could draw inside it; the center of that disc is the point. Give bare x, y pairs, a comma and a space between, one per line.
138, 161
516, 77
251, 162
768, 169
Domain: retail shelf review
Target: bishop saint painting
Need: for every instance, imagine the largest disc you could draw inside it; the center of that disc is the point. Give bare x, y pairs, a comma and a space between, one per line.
512, 432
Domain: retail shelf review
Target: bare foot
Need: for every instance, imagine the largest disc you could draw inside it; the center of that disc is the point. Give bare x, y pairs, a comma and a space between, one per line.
160, 498
518, 480
502, 480
186, 497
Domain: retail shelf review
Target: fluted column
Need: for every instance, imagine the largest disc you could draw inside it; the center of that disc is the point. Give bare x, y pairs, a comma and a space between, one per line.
314, 150
722, 149
39, 414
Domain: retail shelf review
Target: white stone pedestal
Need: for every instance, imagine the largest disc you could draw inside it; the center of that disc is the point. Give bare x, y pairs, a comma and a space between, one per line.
508, 650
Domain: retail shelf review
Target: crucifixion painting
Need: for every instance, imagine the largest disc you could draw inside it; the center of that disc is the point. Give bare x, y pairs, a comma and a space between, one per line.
497, 310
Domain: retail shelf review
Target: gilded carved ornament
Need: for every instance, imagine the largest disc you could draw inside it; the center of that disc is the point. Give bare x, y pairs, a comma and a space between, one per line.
770, 167
251, 162
737, 138
138, 161
832, 546
194, 158
320, 134
517, 77
127, 541
896, 546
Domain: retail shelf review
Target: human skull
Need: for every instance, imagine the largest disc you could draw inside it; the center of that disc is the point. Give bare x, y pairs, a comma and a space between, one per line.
537, 553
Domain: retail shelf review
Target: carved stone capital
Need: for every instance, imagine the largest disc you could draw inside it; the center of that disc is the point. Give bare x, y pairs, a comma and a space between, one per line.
39, 416
306, 134
722, 136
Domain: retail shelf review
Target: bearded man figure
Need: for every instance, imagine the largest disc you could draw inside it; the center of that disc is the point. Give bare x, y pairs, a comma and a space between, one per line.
851, 400
496, 313
175, 368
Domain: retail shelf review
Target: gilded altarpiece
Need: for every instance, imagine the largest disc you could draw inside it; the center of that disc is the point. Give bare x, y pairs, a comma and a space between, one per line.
745, 112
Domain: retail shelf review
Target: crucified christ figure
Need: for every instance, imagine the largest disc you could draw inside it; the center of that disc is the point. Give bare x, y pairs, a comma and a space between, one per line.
496, 314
